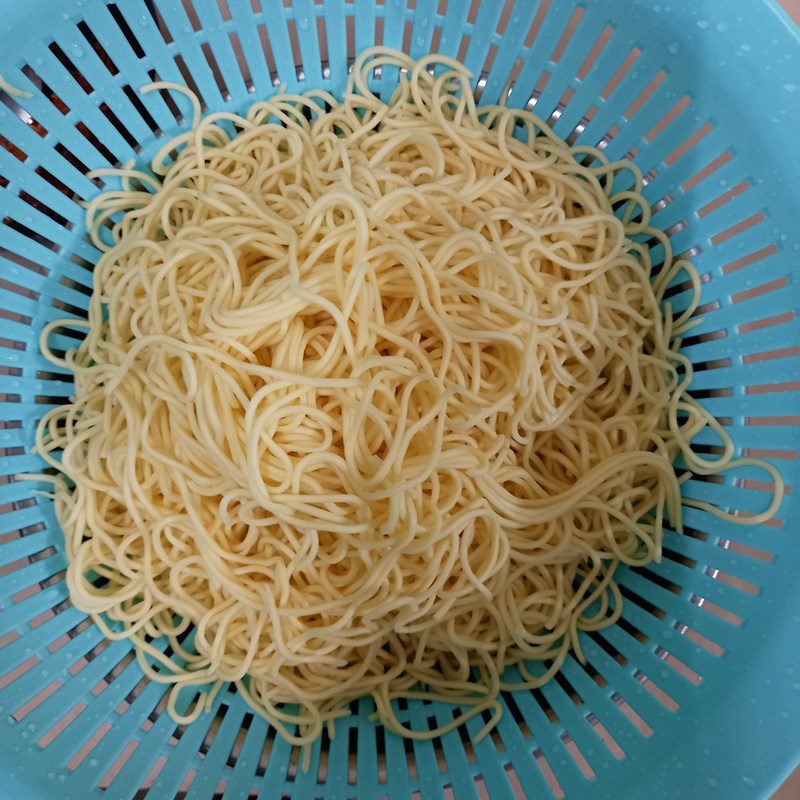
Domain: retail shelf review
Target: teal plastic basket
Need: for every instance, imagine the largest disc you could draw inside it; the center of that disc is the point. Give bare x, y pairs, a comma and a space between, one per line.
695, 693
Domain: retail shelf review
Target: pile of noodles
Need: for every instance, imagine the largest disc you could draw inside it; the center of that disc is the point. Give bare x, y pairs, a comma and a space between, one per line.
374, 398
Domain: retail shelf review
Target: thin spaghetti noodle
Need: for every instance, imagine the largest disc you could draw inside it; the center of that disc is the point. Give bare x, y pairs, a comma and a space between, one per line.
374, 398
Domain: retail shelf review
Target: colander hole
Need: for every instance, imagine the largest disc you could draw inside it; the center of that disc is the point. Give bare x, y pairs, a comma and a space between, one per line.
118, 764
632, 630
646, 93
595, 52
679, 666
294, 761
186, 784
699, 639
760, 291
411, 758
130, 698
578, 757
668, 702
37, 700
269, 741
560, 107
746, 550
631, 715
766, 322
239, 56
126, 31
724, 198
23, 115
73, 71
480, 785
608, 648
88, 746
707, 171
536, 25
732, 580
700, 338
61, 725
717, 610
544, 704
568, 689
640, 601
679, 558
86, 659
129, 138
592, 672
269, 57
189, 81
213, 729
519, 719
569, 32
605, 737
94, 43
191, 15
466, 742
213, 65
548, 774
679, 152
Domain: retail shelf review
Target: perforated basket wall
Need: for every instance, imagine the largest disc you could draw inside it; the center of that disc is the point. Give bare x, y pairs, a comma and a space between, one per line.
696, 692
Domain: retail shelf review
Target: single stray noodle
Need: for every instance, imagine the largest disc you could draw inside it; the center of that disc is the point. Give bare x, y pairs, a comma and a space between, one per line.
374, 398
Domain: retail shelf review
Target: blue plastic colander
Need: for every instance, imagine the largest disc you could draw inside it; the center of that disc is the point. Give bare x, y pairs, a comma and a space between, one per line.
695, 694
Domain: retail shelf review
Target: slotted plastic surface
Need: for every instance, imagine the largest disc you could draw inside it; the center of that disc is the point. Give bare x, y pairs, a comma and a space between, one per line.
696, 692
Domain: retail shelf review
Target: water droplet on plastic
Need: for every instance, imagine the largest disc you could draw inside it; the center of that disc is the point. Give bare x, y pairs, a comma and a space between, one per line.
722, 27
62, 778
749, 781
702, 24
746, 48
420, 41
673, 48
790, 87
65, 16
92, 762
143, 21
31, 727
713, 783
303, 23
76, 50
657, 9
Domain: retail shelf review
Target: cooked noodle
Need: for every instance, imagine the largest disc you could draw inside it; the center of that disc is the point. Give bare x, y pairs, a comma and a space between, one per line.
374, 398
